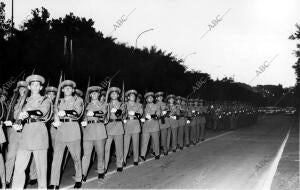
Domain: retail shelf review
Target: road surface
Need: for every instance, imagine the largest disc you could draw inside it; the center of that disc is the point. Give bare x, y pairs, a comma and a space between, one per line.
262, 156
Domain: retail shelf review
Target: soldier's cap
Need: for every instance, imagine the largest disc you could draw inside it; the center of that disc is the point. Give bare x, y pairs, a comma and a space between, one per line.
22, 83
114, 89
79, 92
139, 95
170, 96
131, 92
157, 94
94, 89
103, 93
183, 99
178, 98
201, 100
51, 89
35, 78
68, 83
149, 94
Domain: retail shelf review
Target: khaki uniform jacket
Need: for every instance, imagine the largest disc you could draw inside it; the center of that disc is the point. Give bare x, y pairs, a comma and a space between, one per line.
133, 125
69, 131
151, 125
34, 136
163, 107
115, 127
174, 111
95, 131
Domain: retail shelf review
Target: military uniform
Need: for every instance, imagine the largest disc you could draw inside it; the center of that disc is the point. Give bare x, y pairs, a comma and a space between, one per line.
115, 130
187, 132
132, 127
52, 129
164, 124
150, 127
173, 116
68, 134
181, 122
202, 120
33, 139
94, 133
193, 132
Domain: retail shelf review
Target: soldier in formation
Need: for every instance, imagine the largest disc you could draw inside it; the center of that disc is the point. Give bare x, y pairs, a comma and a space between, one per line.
35, 122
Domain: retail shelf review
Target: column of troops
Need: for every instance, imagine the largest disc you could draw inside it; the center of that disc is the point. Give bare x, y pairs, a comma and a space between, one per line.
42, 125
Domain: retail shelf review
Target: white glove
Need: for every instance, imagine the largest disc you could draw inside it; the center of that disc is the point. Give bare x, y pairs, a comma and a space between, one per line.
23, 115
131, 113
90, 113
193, 111
56, 124
148, 116
173, 117
188, 121
124, 121
84, 123
164, 112
17, 127
8, 123
113, 110
61, 113
219, 116
143, 120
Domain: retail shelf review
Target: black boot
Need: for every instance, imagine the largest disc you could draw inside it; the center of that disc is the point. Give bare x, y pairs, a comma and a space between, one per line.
77, 185
32, 182
101, 176
157, 157
143, 158
83, 178
135, 163
119, 169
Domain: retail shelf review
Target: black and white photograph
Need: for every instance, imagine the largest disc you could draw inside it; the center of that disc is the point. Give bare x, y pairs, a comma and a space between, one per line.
150, 94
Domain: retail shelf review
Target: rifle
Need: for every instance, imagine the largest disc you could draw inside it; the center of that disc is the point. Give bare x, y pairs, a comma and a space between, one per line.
57, 96
21, 105
11, 104
86, 99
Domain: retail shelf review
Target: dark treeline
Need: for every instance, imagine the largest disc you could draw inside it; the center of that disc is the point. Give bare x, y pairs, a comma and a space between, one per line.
39, 45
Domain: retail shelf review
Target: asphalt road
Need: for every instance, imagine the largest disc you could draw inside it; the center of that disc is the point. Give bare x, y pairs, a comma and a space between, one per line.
262, 156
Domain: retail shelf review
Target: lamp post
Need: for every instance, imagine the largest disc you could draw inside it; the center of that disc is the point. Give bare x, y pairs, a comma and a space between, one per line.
141, 34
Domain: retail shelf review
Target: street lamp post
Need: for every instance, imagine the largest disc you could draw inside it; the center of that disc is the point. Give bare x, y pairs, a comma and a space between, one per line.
141, 34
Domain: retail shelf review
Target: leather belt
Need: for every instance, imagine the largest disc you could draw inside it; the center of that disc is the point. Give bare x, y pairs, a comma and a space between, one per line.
95, 121
67, 120
114, 120
33, 120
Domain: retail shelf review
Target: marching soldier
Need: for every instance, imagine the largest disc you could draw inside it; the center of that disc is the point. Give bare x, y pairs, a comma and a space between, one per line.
197, 116
202, 120
150, 126
13, 136
51, 92
34, 135
114, 128
164, 124
68, 133
132, 126
94, 132
181, 120
193, 132
174, 112
189, 114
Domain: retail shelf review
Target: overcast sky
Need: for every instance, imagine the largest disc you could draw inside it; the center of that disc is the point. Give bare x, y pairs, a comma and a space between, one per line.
250, 34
